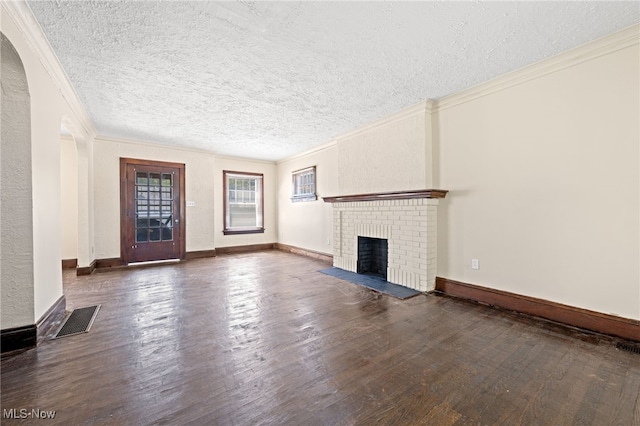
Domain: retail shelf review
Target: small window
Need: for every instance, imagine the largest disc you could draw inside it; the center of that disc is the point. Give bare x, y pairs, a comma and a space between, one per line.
304, 184
243, 203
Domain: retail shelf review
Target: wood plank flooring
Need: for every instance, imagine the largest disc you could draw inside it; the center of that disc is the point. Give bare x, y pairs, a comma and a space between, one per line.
265, 339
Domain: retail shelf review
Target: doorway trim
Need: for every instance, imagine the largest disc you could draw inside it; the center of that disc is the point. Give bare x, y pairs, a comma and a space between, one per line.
124, 162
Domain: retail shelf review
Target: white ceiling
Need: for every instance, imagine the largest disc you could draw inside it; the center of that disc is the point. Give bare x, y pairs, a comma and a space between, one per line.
267, 80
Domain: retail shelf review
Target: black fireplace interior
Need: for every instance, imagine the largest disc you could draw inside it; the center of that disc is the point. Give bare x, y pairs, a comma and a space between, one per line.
373, 256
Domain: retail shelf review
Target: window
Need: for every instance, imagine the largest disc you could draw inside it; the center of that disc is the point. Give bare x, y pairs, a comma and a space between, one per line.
304, 184
243, 202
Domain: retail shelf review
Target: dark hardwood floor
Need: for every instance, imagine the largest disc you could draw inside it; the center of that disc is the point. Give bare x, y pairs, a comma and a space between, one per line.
263, 338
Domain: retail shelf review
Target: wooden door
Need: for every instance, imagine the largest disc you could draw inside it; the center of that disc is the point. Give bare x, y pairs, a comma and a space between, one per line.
152, 210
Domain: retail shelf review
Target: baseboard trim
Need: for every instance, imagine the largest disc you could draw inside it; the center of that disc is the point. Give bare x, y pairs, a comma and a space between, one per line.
113, 262
304, 252
69, 263
569, 315
86, 270
52, 318
13, 339
200, 254
244, 249
28, 336
116, 262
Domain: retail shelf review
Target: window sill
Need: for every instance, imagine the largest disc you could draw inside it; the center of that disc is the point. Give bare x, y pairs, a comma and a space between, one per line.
243, 231
304, 198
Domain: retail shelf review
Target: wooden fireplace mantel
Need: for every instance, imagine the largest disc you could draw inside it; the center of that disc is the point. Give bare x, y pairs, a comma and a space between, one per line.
395, 195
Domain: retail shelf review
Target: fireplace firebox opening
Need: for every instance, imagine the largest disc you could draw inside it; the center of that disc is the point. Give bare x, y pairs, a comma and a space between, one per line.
373, 256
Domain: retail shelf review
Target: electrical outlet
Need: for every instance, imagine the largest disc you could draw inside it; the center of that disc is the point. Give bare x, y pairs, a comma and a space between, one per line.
475, 264
328, 241
191, 203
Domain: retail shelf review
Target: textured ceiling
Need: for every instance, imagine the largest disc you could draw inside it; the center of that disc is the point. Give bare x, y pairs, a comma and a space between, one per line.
268, 80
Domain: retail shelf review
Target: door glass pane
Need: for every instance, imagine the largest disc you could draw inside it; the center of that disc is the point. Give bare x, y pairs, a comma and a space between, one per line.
141, 192
154, 179
153, 207
167, 193
142, 235
154, 234
167, 233
165, 214
141, 178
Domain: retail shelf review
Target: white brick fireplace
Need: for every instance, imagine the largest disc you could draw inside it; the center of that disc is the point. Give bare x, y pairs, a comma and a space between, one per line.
407, 220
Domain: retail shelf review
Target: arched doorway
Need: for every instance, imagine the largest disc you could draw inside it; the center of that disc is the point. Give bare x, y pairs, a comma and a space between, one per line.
16, 217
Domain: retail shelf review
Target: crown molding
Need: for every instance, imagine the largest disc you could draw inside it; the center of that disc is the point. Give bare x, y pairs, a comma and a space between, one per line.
623, 39
22, 16
316, 150
246, 160
115, 140
424, 107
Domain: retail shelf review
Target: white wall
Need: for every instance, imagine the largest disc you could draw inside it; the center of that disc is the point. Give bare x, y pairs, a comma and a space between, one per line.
48, 106
544, 181
199, 187
268, 169
69, 197
389, 155
86, 197
16, 220
203, 180
308, 224
45, 155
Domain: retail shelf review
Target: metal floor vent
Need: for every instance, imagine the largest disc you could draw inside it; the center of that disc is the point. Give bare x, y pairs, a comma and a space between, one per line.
79, 321
629, 347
